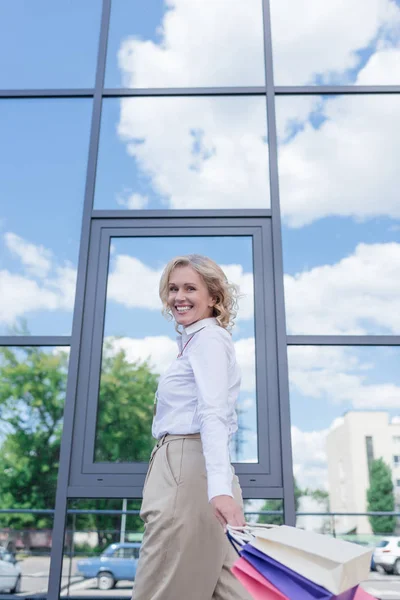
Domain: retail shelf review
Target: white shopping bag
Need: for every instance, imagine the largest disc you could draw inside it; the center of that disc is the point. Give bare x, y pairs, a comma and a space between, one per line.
334, 564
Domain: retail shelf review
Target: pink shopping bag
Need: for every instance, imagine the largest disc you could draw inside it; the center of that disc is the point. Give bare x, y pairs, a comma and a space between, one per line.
259, 587
363, 595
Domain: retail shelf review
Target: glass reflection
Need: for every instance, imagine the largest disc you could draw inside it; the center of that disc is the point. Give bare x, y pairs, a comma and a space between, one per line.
334, 43
46, 44
43, 152
341, 214
183, 153
185, 44
139, 344
32, 395
344, 401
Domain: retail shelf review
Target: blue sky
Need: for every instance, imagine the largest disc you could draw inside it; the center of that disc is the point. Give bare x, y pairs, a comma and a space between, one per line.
341, 222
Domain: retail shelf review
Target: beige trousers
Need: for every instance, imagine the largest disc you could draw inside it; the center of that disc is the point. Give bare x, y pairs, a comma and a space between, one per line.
185, 554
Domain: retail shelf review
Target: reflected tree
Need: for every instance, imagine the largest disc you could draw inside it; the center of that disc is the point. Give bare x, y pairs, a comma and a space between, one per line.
380, 497
32, 393
125, 410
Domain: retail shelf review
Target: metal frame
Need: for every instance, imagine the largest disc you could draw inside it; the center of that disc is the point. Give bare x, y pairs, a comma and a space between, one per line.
269, 90
257, 479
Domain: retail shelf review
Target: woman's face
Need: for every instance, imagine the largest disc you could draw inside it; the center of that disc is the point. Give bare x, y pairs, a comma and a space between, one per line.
188, 296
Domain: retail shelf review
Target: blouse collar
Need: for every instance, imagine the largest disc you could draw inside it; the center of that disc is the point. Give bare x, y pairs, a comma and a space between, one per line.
195, 327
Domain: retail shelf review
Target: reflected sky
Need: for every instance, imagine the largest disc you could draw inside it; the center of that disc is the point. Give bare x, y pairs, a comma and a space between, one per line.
325, 382
341, 213
185, 43
43, 153
332, 42
133, 309
47, 44
183, 153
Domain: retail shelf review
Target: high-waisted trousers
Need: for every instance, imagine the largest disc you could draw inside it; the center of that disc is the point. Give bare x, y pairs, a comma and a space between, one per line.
185, 554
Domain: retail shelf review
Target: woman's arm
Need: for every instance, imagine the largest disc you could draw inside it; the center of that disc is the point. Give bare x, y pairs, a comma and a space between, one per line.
210, 361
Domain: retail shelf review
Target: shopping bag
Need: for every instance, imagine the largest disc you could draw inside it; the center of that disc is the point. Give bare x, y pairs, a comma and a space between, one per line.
255, 584
287, 581
336, 565
361, 594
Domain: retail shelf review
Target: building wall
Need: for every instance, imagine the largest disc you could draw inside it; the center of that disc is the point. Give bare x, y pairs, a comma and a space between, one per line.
348, 475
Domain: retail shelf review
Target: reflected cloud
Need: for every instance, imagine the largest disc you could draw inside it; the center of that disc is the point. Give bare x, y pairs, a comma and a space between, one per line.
328, 43
43, 284
198, 44
200, 152
309, 458
359, 293
340, 375
337, 160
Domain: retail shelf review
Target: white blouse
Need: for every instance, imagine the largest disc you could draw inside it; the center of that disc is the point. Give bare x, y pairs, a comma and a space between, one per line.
198, 393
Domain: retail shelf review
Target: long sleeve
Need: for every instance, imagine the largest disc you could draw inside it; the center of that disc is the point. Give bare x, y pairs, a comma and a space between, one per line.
209, 359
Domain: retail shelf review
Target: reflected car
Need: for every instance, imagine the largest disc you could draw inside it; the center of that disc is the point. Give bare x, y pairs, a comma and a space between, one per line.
10, 577
118, 562
387, 555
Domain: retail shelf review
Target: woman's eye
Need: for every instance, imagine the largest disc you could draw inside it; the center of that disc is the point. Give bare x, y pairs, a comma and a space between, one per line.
191, 289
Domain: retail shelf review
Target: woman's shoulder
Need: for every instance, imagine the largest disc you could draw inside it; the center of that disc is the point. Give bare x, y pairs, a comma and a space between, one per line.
217, 333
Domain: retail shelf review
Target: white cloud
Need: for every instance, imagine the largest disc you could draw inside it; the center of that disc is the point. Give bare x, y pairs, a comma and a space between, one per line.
218, 157
343, 167
309, 458
313, 38
202, 43
359, 294
36, 259
44, 285
338, 375
133, 201
245, 353
160, 351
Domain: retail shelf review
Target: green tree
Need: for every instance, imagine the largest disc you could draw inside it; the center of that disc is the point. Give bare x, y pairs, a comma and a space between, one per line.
32, 393
272, 505
125, 410
380, 497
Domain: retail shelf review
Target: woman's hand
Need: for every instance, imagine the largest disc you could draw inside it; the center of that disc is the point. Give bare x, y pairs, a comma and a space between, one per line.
228, 511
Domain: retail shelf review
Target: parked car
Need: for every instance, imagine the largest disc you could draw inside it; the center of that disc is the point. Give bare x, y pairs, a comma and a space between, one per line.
117, 562
387, 555
10, 577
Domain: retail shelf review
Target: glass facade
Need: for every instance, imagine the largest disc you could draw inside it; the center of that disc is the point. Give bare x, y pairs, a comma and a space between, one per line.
263, 134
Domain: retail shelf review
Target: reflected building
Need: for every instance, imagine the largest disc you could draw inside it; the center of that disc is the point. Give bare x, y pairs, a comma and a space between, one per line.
356, 440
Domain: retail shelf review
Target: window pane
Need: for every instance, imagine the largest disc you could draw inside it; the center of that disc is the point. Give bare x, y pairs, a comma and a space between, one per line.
339, 397
185, 44
32, 395
95, 540
139, 344
183, 153
334, 42
43, 153
46, 44
341, 215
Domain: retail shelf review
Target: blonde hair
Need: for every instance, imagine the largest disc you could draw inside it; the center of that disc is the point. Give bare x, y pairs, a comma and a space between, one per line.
225, 294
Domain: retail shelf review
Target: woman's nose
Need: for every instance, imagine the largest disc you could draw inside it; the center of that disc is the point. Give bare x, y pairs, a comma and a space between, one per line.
180, 295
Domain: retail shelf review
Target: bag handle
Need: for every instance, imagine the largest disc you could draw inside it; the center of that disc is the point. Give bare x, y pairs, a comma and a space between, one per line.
240, 536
